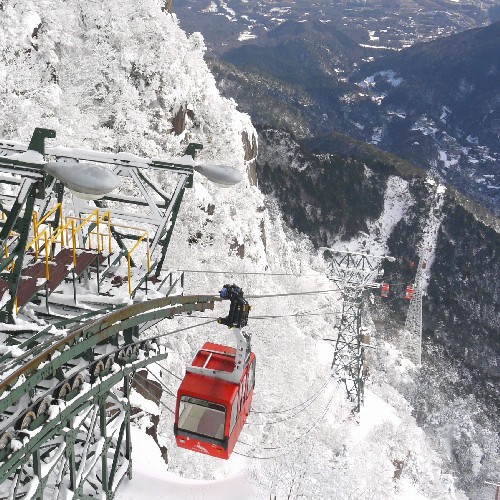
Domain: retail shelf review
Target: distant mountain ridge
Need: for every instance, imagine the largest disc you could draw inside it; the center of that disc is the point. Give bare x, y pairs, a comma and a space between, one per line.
310, 56
441, 109
461, 72
435, 104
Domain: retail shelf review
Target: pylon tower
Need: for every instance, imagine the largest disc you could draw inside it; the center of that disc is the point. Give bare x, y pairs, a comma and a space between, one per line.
413, 323
354, 273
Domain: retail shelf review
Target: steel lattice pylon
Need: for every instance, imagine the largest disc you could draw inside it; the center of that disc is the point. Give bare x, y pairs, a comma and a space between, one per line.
354, 273
348, 357
413, 323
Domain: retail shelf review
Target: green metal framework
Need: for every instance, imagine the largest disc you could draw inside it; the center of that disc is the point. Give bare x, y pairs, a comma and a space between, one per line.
65, 410
65, 406
36, 189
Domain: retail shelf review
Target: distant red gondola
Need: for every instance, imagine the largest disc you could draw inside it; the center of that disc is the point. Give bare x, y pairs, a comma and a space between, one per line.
384, 290
214, 398
409, 292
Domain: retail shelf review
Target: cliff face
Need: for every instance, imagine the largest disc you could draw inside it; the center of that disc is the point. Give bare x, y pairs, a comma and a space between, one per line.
123, 76
463, 306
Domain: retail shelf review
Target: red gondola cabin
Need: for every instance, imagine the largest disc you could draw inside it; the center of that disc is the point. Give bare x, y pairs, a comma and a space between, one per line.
409, 292
214, 398
211, 412
384, 290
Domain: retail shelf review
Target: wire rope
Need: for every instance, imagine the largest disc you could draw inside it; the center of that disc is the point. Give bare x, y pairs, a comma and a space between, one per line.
169, 392
161, 383
289, 417
287, 445
252, 273
311, 292
155, 399
168, 371
303, 403
298, 315
178, 330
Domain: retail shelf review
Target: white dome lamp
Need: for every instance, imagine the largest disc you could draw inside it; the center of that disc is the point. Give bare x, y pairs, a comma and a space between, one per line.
223, 175
89, 181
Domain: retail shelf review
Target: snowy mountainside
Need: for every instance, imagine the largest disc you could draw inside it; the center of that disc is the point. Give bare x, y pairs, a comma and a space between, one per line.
110, 78
114, 77
458, 382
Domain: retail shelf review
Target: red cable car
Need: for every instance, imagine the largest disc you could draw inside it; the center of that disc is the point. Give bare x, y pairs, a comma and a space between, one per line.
214, 398
384, 290
409, 292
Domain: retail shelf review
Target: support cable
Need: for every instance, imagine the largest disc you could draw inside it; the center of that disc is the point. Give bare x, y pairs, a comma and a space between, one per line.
315, 395
155, 399
161, 383
254, 273
289, 417
179, 330
298, 315
311, 292
287, 445
168, 371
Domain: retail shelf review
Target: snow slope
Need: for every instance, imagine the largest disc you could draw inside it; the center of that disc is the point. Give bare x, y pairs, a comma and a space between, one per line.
153, 480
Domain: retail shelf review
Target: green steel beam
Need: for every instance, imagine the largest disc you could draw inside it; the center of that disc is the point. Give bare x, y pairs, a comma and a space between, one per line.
90, 335
75, 406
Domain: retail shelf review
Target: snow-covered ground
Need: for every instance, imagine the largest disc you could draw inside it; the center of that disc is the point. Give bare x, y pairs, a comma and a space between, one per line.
153, 480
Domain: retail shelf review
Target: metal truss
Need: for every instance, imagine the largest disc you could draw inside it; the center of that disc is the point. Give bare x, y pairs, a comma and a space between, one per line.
354, 273
64, 404
413, 323
349, 355
143, 201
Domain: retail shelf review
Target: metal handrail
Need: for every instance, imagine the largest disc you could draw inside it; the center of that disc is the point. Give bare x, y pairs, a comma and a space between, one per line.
145, 235
71, 227
100, 240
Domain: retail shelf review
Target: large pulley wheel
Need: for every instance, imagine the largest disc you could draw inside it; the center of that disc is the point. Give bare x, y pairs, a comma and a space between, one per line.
108, 363
98, 368
5, 439
26, 421
43, 406
77, 381
63, 391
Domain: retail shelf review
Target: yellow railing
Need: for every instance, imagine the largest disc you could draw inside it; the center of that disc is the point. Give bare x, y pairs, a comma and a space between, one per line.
145, 235
35, 242
105, 218
37, 223
67, 231
100, 238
